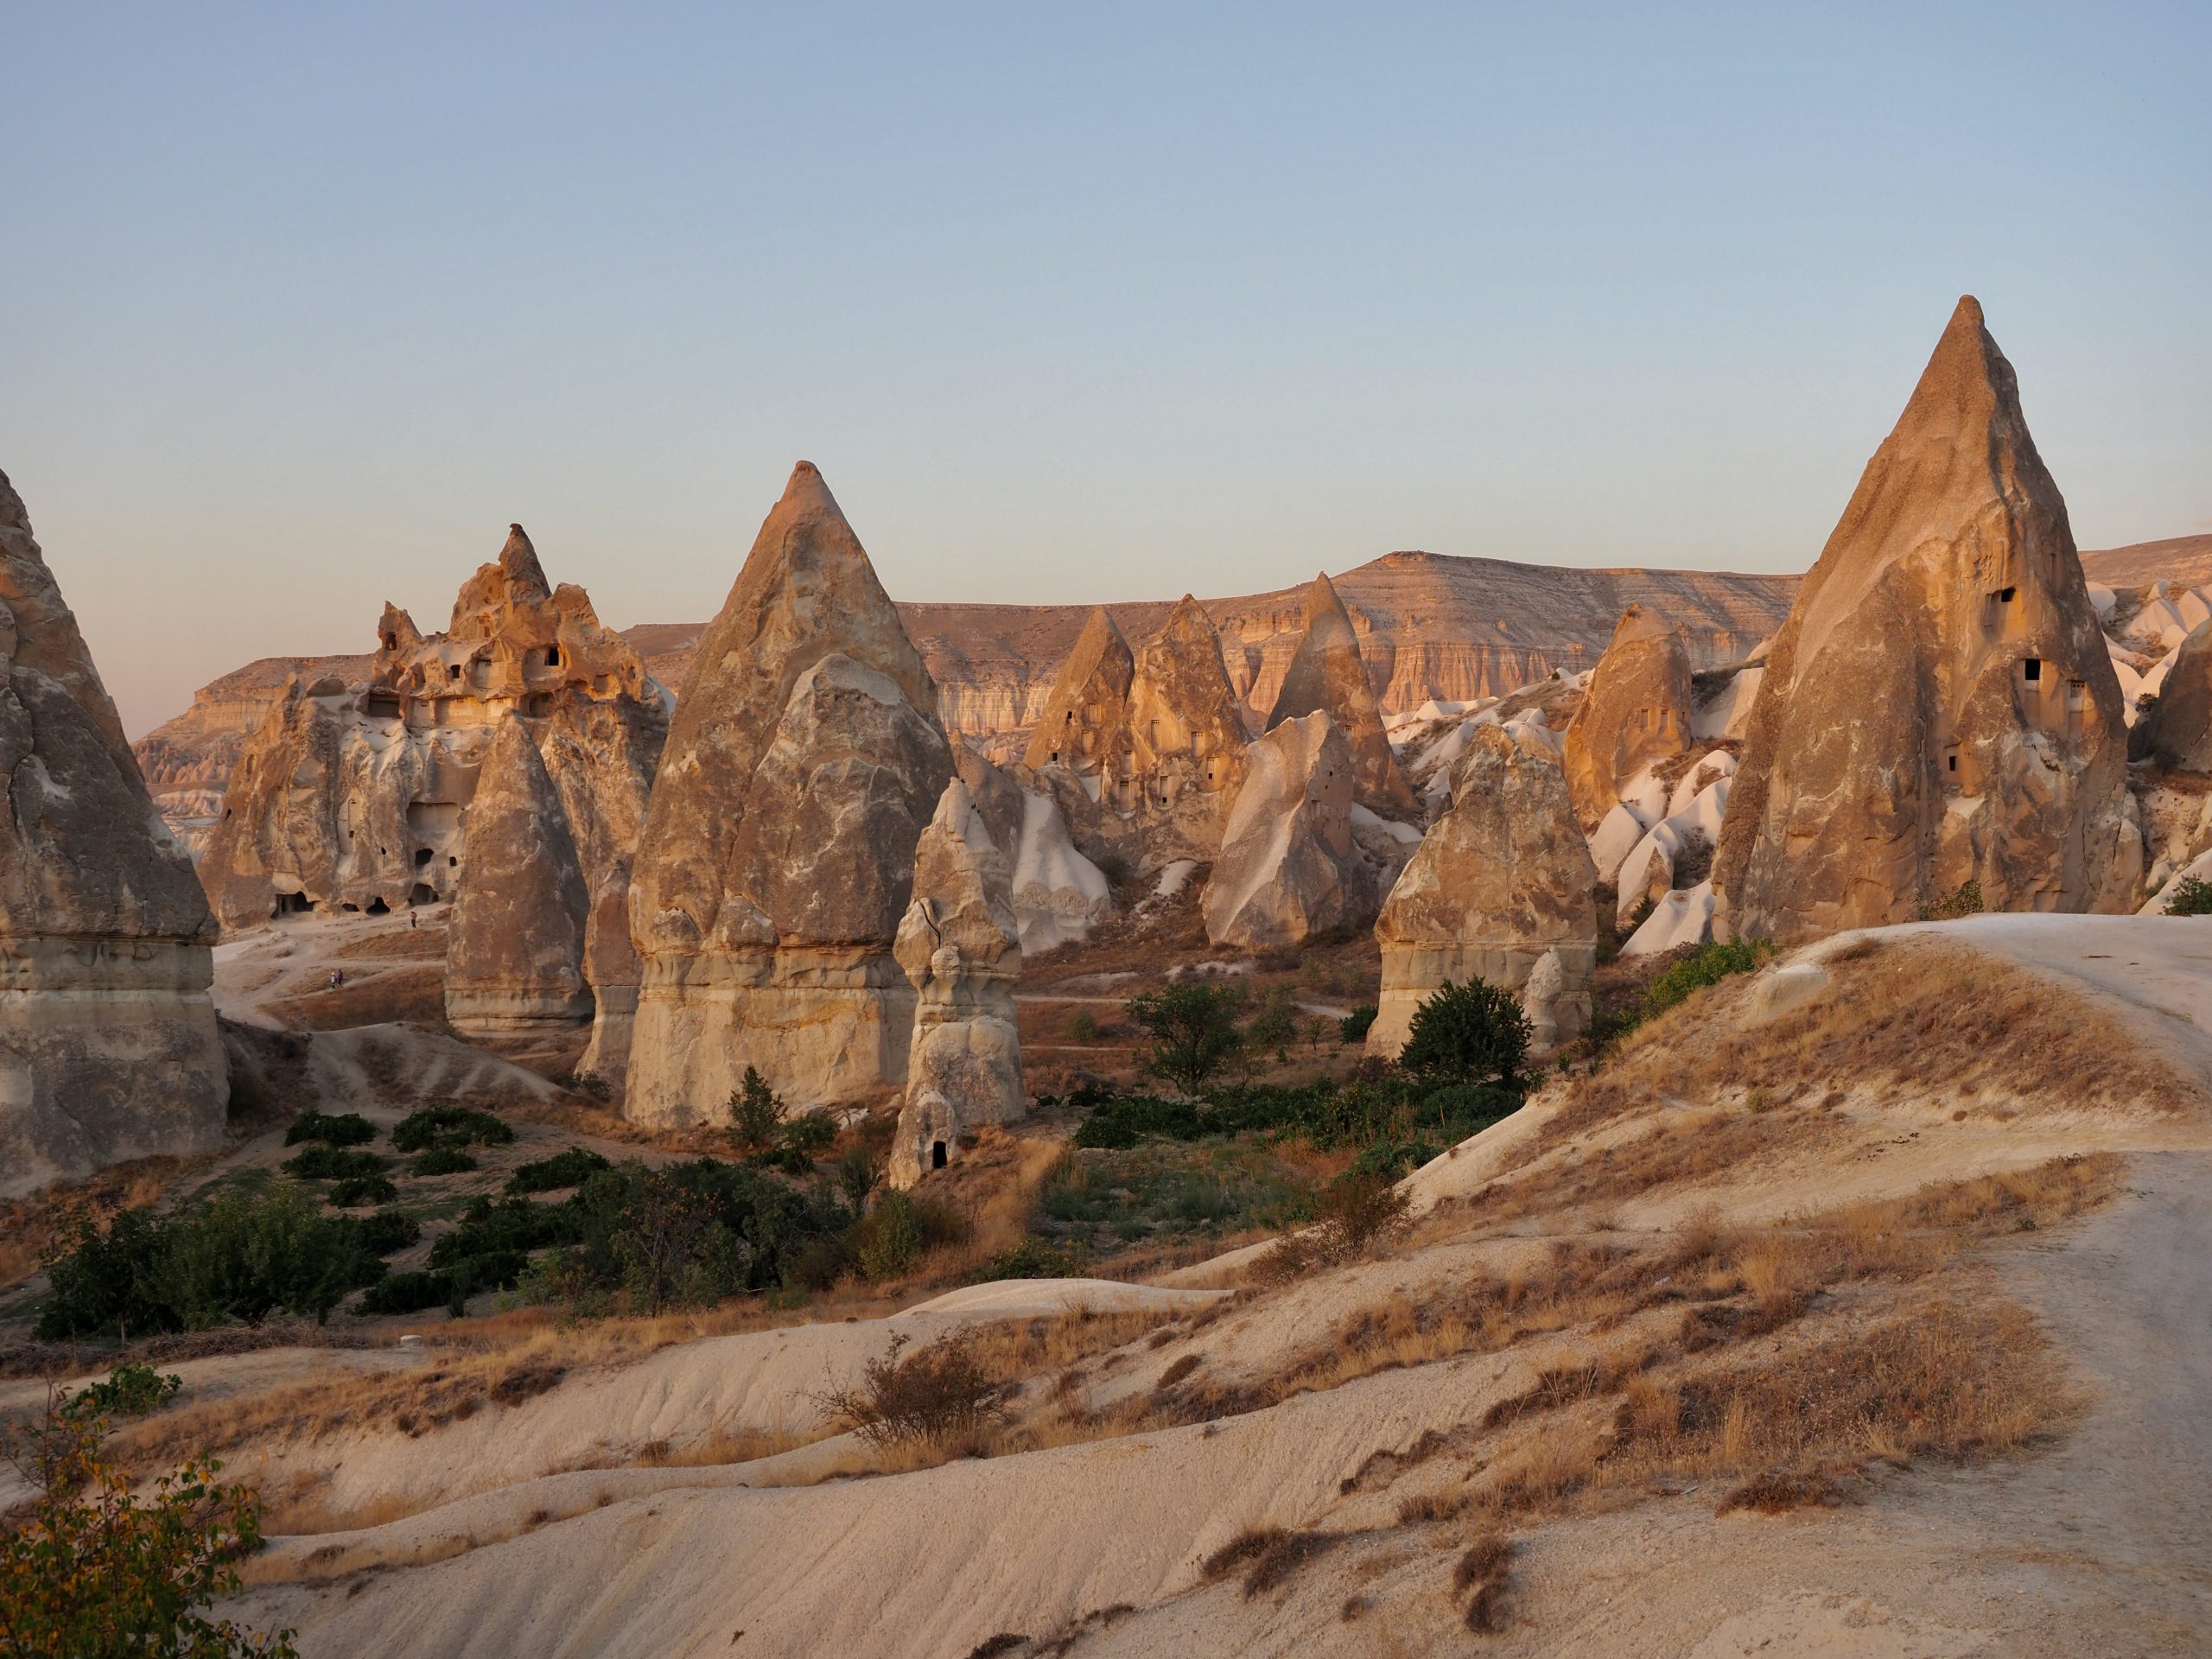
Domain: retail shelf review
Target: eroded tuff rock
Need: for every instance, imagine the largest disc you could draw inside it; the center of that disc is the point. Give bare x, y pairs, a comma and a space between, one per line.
1501, 889
1059, 895
108, 1044
778, 857
1635, 713
958, 947
515, 946
1288, 867
1143, 751
1940, 706
2176, 732
351, 796
1327, 674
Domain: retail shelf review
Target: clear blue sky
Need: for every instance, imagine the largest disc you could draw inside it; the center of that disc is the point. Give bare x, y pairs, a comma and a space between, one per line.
298, 309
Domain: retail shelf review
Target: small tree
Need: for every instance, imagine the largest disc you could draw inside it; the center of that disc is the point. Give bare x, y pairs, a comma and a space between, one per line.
99, 1569
2191, 896
1467, 1033
755, 1113
1355, 1026
1273, 1023
1193, 1030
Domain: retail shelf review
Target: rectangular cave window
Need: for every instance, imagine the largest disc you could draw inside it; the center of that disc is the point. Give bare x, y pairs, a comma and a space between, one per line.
453, 671
2007, 595
552, 656
2031, 668
937, 1155
422, 894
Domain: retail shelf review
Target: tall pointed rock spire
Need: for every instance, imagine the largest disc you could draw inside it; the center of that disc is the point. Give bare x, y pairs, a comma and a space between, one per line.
1940, 707
1328, 674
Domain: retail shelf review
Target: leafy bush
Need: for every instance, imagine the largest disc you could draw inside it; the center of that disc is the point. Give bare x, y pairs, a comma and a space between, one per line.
345, 1130
1355, 1026
321, 1163
1967, 901
488, 1227
99, 1569
447, 1125
2191, 896
404, 1293
1081, 1026
940, 1396
756, 1113
1037, 1258
894, 1236
1707, 965
1126, 1119
1273, 1023
240, 1257
385, 1231
1193, 1030
129, 1391
572, 1168
808, 1133
357, 1190
767, 1224
1466, 1033
442, 1160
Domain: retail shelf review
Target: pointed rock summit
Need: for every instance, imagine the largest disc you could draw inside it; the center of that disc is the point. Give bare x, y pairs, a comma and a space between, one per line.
1089, 705
1327, 674
1289, 867
1635, 713
1500, 889
108, 1044
515, 947
1940, 706
777, 855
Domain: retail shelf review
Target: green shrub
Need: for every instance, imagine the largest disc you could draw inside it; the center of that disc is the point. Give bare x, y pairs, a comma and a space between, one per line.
756, 1113
1967, 901
1081, 1026
404, 1293
357, 1190
1037, 1258
448, 1125
129, 1391
808, 1133
893, 1236
572, 1168
442, 1160
1707, 965
1273, 1023
240, 1257
1126, 1119
1355, 1026
319, 1163
1193, 1030
347, 1130
1466, 1033
385, 1231
2191, 896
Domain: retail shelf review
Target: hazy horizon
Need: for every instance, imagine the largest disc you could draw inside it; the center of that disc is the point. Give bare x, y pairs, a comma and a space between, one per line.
304, 310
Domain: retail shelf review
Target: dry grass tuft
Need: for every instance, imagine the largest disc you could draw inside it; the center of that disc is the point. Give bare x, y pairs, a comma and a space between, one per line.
1483, 1575
1246, 1545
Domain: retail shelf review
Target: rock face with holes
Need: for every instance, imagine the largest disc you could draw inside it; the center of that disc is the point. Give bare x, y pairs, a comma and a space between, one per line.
1289, 867
515, 946
1635, 712
1501, 889
1940, 707
1143, 751
354, 795
959, 945
778, 857
108, 1044
1327, 674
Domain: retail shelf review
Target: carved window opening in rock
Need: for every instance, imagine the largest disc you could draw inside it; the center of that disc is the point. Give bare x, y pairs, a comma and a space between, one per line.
1951, 757
453, 670
552, 656
422, 856
480, 674
391, 642
938, 1154
293, 904
422, 894
377, 907
384, 705
538, 703
2031, 669
452, 863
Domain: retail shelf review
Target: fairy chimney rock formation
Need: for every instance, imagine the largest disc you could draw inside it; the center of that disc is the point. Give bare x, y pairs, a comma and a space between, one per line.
1327, 674
1289, 867
1059, 895
1143, 751
515, 947
958, 947
1501, 889
355, 797
108, 1044
1636, 712
1940, 707
2176, 732
778, 856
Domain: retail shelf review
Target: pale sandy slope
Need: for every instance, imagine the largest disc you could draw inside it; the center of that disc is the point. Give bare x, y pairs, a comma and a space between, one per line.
2100, 1545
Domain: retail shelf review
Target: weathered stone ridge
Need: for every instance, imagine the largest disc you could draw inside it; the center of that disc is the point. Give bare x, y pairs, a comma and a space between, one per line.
958, 947
108, 1043
515, 946
1501, 889
1635, 712
777, 855
1289, 867
1941, 705
1328, 674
